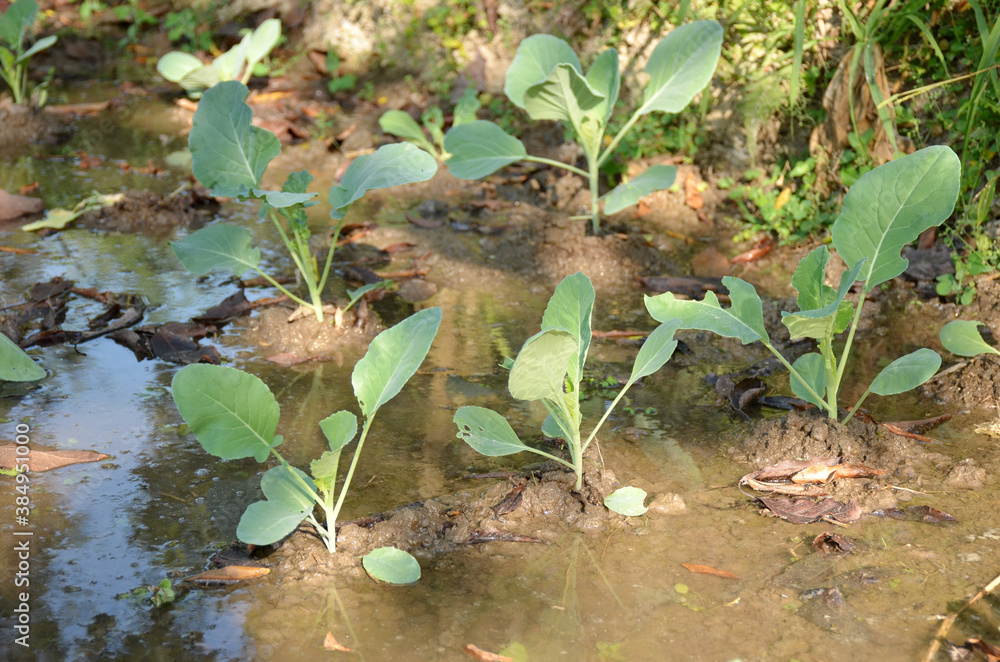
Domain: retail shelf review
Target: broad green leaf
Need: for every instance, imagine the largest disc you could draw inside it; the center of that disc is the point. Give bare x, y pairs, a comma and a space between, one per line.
199, 80
813, 326
535, 59
656, 351
808, 280
15, 364
467, 107
480, 148
906, 372
487, 432
228, 154
400, 123
628, 501
891, 205
262, 40
232, 413
324, 470
339, 429
267, 522
554, 427
812, 369
176, 65
390, 165
279, 484
708, 315
18, 18
392, 358
570, 309
564, 96
391, 565
962, 337
681, 66
541, 366
221, 246
656, 178
232, 62
37, 47
297, 182
278, 199
834, 315
605, 78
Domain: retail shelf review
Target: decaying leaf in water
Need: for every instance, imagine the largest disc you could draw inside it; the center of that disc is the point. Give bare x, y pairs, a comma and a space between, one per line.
917, 514
229, 573
801, 473
330, 643
805, 511
830, 543
477, 653
709, 570
47, 460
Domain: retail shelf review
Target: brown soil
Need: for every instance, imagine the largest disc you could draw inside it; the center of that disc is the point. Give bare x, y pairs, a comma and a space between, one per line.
305, 336
20, 127
153, 214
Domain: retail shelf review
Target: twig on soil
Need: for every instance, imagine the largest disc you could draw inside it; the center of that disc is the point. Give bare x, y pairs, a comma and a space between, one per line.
948, 622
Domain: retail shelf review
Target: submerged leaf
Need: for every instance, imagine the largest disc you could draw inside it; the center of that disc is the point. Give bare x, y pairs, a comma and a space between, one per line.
962, 337
628, 501
391, 565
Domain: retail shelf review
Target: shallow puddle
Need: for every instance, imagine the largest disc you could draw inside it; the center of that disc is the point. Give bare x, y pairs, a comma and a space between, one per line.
160, 506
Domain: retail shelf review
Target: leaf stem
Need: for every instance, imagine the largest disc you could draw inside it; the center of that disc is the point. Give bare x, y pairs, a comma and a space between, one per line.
557, 164
794, 372
636, 116
331, 520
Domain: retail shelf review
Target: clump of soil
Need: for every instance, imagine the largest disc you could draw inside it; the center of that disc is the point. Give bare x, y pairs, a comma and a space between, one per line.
551, 247
152, 213
305, 336
20, 127
972, 385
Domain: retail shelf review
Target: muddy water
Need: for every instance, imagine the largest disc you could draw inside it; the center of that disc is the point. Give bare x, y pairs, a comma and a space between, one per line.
160, 506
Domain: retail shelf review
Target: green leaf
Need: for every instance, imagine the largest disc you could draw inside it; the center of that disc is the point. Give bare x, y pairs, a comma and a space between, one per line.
540, 369
605, 78
656, 178
15, 364
231, 63
962, 337
487, 432
555, 428
400, 123
37, 47
199, 80
324, 470
564, 96
177, 65
267, 522
18, 18
479, 148
228, 154
391, 565
278, 199
628, 501
816, 322
232, 414
339, 429
569, 309
221, 246
56, 219
390, 165
467, 107
906, 372
262, 40
808, 280
536, 58
812, 369
392, 358
681, 66
656, 351
891, 205
279, 484
743, 320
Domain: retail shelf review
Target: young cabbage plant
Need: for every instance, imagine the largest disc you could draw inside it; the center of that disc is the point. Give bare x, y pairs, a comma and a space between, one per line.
549, 369
886, 209
229, 156
235, 64
546, 81
15, 24
401, 124
234, 415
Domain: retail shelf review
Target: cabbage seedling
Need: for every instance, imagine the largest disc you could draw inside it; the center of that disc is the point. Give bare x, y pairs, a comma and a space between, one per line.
400, 123
14, 26
235, 64
229, 156
234, 415
549, 369
886, 209
546, 81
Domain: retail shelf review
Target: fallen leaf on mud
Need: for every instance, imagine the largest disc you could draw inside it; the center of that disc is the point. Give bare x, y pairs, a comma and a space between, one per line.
745, 392
909, 435
49, 338
53, 288
923, 425
760, 249
232, 306
47, 460
511, 501
785, 469
230, 573
401, 247
415, 290
830, 543
709, 570
477, 653
917, 514
15, 206
174, 348
424, 223
692, 196
818, 473
785, 402
330, 643
805, 511
991, 652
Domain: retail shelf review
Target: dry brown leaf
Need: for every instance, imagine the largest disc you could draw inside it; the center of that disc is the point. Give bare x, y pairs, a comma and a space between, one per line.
40, 460
230, 573
709, 570
330, 643
818, 473
692, 196
477, 653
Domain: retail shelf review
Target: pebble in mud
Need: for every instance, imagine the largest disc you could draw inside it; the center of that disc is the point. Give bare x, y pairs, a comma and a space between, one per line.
966, 475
